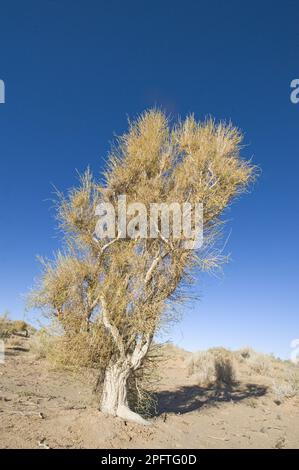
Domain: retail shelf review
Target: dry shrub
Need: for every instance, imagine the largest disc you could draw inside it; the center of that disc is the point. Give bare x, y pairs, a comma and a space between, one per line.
260, 363
283, 390
215, 366
13, 342
42, 343
224, 371
201, 365
244, 353
11, 327
288, 388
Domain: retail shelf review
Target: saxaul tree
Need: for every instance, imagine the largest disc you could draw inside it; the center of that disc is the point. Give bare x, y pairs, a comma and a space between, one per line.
112, 291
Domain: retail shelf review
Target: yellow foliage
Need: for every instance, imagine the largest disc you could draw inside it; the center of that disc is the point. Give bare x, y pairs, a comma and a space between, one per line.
111, 296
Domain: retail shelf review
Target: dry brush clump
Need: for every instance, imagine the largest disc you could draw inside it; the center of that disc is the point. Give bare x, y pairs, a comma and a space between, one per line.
215, 367
201, 365
225, 371
284, 375
9, 327
287, 385
258, 363
219, 367
43, 344
111, 295
13, 342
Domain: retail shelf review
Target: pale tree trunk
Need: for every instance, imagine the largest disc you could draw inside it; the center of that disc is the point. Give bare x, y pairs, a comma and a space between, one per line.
114, 395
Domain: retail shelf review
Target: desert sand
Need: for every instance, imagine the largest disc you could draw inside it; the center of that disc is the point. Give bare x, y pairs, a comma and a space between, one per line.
45, 408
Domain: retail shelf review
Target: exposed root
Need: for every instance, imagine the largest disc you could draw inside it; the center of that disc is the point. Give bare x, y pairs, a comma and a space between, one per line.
128, 415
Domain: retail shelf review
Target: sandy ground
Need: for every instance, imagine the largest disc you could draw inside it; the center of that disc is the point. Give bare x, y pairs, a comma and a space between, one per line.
43, 408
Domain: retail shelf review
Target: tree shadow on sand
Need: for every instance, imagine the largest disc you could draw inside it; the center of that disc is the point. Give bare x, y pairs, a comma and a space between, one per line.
190, 398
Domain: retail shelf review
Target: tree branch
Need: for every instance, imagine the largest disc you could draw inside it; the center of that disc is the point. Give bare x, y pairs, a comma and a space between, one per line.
213, 179
151, 269
112, 328
106, 246
153, 266
140, 350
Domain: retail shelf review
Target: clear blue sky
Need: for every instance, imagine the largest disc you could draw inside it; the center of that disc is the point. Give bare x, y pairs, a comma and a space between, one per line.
74, 70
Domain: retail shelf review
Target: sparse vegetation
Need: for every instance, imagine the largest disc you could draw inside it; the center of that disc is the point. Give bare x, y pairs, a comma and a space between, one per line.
259, 363
42, 344
13, 342
224, 371
287, 387
201, 366
213, 367
218, 367
53, 402
244, 353
10, 327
